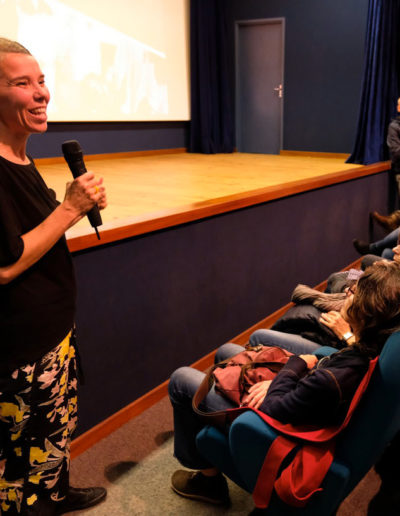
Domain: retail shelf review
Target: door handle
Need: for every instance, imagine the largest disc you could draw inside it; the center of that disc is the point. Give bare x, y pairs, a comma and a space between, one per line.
279, 89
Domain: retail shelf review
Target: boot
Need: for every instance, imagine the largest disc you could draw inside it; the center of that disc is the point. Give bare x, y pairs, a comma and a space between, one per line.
361, 246
388, 222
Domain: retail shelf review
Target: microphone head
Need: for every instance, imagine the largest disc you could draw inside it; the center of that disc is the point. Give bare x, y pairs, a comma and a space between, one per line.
72, 150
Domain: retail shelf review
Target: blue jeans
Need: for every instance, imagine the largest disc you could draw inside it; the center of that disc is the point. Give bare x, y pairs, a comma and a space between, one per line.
293, 343
182, 387
384, 247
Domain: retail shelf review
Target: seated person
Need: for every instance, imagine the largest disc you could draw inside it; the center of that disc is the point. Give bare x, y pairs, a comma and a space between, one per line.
321, 398
387, 500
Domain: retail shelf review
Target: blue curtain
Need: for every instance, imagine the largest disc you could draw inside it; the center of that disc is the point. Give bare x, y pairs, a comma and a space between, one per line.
380, 87
211, 126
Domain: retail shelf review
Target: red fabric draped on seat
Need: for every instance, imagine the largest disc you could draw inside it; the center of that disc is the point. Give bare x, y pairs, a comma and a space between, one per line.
305, 473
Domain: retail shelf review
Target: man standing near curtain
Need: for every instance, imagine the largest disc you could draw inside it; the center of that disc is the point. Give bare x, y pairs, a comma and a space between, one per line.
392, 221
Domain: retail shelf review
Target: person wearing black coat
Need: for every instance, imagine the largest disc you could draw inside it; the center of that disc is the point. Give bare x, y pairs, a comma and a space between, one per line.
322, 396
393, 142
392, 221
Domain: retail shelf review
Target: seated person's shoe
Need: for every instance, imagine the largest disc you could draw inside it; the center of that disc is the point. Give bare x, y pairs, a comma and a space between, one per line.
361, 246
195, 485
388, 222
81, 498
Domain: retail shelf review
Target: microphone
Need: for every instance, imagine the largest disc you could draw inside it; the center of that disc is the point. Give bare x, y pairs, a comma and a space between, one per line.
74, 157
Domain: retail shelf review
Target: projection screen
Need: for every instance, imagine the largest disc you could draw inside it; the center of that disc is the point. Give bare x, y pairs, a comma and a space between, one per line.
107, 60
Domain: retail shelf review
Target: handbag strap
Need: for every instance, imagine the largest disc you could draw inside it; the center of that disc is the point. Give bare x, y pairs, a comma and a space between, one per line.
217, 418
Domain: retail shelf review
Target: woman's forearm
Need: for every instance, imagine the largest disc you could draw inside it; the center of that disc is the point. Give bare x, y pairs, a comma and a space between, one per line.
40, 240
80, 196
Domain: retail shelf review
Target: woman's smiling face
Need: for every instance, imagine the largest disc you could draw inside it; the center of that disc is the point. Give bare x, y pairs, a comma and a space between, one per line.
23, 95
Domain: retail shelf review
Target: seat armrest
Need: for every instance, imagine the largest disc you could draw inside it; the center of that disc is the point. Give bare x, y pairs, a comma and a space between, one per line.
249, 440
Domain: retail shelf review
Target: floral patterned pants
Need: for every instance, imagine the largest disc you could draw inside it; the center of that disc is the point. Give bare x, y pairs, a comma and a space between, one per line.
38, 414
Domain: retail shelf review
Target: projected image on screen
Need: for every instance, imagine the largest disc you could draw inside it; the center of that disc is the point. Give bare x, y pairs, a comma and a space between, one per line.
122, 61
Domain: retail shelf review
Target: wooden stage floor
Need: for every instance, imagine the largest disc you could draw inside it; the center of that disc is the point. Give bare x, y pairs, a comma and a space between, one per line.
147, 193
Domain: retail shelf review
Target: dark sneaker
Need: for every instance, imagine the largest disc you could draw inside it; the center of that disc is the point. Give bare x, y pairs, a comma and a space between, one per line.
361, 246
195, 485
81, 498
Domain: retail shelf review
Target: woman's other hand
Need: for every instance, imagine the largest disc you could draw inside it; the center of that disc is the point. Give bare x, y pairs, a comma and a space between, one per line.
336, 323
310, 360
257, 393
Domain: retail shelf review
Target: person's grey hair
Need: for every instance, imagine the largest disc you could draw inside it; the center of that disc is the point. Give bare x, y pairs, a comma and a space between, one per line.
8, 46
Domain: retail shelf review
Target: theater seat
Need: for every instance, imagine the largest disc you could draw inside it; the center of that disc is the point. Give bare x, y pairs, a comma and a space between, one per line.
241, 453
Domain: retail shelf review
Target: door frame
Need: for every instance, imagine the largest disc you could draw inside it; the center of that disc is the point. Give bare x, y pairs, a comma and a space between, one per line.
258, 21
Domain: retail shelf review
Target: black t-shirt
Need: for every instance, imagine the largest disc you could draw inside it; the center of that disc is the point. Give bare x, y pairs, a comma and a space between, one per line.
37, 309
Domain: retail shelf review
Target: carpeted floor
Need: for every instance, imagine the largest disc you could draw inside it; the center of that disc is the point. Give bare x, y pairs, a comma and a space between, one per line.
135, 464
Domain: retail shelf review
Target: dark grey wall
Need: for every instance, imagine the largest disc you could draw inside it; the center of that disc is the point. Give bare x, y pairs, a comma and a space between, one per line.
149, 304
108, 137
323, 67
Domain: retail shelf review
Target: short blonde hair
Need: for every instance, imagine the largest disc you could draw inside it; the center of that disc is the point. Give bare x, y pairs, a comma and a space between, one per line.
7, 46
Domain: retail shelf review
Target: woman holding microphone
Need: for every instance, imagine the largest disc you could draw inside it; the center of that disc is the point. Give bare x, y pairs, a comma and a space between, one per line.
38, 399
